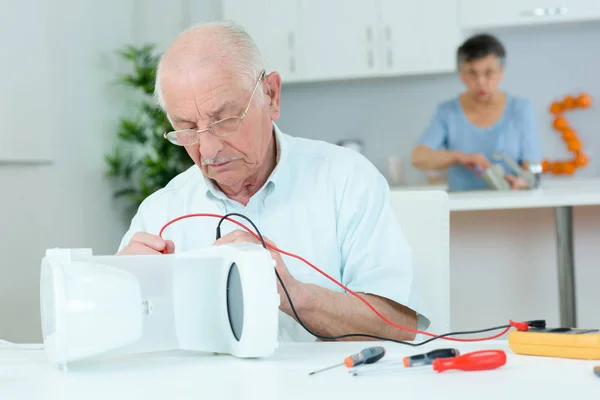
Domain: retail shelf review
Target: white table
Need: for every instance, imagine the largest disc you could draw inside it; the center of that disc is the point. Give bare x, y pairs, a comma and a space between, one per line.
562, 195
24, 374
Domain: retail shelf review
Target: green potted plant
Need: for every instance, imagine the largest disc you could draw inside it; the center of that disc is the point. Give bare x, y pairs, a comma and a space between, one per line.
143, 161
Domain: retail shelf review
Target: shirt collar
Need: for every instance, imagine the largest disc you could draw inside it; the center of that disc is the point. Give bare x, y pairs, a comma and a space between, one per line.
277, 176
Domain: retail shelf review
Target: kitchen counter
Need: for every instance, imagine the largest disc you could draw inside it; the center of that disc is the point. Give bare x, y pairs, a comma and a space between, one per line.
529, 254
553, 193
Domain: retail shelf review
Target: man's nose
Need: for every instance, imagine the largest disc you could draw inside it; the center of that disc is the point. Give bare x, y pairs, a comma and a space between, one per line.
210, 145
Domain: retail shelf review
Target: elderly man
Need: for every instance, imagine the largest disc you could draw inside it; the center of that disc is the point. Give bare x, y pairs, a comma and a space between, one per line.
314, 199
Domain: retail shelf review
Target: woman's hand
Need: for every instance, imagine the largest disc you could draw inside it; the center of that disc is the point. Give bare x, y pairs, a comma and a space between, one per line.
516, 183
476, 161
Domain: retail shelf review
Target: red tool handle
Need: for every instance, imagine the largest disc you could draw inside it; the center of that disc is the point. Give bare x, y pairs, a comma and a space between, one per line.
474, 361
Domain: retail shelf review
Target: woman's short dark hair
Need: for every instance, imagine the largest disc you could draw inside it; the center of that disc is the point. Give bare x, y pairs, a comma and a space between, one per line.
480, 46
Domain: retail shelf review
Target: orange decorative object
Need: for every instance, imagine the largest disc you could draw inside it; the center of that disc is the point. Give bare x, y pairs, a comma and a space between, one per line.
583, 100
556, 108
581, 160
569, 103
561, 124
568, 134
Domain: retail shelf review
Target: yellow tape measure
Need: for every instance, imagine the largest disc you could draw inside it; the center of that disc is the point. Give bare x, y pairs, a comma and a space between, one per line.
557, 342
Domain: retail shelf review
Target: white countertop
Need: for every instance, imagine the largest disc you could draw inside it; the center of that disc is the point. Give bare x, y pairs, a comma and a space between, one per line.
25, 374
553, 193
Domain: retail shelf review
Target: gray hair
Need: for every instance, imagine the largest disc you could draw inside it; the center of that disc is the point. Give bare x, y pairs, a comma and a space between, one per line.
236, 47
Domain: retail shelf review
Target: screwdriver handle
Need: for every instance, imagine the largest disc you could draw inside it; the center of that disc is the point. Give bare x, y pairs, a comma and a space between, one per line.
428, 358
366, 356
474, 361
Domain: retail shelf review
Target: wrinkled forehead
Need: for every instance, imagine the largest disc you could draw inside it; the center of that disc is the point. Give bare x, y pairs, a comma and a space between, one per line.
207, 93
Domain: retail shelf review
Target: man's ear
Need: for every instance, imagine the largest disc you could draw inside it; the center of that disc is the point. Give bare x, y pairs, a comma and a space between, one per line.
273, 83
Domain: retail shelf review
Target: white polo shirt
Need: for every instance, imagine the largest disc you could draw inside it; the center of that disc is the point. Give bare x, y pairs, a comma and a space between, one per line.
323, 202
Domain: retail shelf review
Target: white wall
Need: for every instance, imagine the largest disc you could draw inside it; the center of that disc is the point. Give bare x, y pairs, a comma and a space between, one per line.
69, 203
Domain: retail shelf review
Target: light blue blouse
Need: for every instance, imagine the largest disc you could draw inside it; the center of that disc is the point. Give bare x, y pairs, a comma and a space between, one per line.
515, 134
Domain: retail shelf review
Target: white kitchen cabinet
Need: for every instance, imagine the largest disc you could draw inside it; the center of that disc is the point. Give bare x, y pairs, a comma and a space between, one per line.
339, 40
321, 40
418, 36
487, 14
273, 24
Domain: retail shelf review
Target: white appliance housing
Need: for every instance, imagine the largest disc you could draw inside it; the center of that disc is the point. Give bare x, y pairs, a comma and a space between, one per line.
221, 299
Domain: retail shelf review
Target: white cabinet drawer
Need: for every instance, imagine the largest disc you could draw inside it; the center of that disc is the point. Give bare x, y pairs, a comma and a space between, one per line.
482, 14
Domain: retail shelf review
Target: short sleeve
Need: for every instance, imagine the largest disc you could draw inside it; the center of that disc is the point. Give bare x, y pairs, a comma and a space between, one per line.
531, 147
376, 257
435, 134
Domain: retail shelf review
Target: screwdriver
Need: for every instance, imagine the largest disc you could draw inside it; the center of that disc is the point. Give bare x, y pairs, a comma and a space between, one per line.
422, 359
474, 361
428, 358
366, 356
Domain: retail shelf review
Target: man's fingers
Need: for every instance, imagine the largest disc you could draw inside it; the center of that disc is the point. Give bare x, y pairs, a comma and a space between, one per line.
235, 236
170, 247
138, 249
269, 242
149, 240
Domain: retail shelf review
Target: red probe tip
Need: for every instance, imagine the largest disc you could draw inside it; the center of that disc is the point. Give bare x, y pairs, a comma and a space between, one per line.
520, 326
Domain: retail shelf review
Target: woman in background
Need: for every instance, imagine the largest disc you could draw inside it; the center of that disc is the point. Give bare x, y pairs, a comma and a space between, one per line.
467, 130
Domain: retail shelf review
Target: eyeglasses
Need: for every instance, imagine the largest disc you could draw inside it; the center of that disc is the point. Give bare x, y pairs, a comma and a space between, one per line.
222, 128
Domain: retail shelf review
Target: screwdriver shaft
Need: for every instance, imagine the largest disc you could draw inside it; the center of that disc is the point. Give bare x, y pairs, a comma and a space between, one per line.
385, 370
366, 356
327, 368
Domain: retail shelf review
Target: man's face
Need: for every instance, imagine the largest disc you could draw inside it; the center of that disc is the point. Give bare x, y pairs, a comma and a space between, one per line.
195, 100
482, 77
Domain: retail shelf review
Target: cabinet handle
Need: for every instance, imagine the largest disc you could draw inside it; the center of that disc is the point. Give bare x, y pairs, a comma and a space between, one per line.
369, 34
387, 33
291, 48
545, 12
370, 60
370, 56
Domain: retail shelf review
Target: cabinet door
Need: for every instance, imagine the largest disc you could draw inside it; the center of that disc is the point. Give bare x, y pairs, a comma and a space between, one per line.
478, 14
418, 36
338, 39
273, 24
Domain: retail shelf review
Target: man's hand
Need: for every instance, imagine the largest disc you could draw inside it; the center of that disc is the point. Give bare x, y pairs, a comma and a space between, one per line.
329, 313
146, 243
292, 285
516, 183
476, 162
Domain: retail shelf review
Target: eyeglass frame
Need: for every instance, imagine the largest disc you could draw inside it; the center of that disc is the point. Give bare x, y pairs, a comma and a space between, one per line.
209, 128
